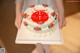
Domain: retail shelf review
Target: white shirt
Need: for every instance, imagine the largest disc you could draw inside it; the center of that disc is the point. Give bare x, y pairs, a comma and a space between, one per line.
27, 3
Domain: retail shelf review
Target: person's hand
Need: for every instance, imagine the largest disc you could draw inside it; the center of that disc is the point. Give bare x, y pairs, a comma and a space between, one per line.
18, 20
62, 21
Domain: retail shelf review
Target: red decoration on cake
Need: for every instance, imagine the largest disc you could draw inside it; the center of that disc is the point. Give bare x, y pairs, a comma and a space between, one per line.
53, 13
39, 17
25, 15
51, 25
45, 5
25, 23
37, 28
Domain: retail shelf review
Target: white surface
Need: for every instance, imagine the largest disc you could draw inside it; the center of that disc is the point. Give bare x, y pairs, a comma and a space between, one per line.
25, 36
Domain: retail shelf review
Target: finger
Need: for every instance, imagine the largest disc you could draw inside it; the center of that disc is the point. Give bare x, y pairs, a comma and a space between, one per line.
60, 26
19, 25
64, 23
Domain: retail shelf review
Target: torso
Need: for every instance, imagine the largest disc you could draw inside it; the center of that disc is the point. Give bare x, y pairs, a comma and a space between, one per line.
27, 3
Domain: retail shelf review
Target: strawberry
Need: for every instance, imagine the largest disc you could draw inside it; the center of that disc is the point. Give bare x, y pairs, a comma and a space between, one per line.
53, 13
45, 5
51, 25
25, 15
37, 28
25, 23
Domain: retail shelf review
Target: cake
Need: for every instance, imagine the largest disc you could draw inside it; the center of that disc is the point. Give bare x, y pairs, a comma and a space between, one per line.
39, 25
40, 18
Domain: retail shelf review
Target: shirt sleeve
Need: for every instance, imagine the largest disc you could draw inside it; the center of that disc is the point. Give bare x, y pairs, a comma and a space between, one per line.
21, 1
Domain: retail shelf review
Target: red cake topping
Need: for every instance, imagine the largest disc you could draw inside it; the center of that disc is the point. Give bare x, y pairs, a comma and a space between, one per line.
25, 15
39, 17
37, 28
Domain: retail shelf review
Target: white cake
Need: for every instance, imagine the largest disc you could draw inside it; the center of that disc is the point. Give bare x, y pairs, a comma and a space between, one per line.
45, 15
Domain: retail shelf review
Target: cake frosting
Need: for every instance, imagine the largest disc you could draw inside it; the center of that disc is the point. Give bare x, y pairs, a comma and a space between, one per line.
40, 18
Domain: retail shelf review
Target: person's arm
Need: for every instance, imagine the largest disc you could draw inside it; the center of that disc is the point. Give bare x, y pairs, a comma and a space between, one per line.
19, 5
59, 4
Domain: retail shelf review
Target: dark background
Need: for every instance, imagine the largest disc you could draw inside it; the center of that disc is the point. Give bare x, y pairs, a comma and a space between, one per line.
8, 30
